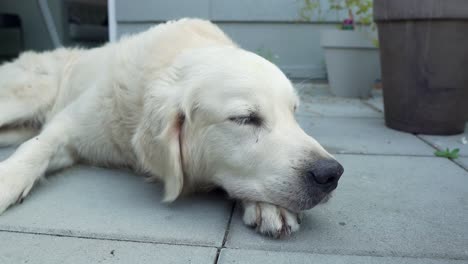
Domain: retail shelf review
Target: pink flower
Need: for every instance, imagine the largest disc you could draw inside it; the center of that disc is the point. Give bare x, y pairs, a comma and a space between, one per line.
348, 22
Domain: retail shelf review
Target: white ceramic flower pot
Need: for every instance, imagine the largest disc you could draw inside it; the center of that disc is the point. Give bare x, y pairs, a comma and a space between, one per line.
352, 62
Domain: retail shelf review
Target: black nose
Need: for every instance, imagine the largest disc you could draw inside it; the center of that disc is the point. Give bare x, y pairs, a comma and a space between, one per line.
326, 172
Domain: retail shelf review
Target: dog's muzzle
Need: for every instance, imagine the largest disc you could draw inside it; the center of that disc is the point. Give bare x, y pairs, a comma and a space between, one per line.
324, 174
319, 179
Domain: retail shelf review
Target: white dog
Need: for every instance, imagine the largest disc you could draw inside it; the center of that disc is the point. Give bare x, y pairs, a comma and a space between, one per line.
180, 102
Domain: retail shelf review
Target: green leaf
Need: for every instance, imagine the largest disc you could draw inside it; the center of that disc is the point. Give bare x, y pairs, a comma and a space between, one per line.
447, 153
440, 153
454, 154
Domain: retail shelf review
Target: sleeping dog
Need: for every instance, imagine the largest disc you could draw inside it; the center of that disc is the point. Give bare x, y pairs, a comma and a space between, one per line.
180, 102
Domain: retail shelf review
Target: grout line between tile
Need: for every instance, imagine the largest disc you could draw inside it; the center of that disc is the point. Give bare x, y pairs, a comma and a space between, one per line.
372, 106
460, 164
382, 154
357, 254
436, 148
234, 248
321, 116
392, 155
226, 233
106, 239
418, 136
218, 249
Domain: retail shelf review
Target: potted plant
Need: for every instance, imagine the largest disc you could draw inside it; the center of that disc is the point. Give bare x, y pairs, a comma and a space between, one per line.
424, 55
351, 52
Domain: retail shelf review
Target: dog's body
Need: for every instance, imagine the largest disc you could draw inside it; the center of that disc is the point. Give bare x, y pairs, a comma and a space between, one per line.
163, 102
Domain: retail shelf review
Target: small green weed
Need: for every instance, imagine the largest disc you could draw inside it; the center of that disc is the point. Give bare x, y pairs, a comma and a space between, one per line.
449, 154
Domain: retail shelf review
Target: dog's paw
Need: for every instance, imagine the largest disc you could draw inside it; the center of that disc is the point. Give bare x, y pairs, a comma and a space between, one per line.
271, 220
13, 187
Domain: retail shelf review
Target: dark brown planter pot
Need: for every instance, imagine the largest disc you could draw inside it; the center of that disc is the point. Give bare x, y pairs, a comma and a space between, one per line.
424, 57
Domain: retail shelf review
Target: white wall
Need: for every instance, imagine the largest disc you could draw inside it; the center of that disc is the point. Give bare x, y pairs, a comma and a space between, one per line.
274, 26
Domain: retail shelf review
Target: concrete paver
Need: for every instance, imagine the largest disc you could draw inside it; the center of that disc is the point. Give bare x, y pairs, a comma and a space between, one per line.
115, 204
307, 89
362, 135
336, 107
39, 249
452, 142
240, 256
376, 102
392, 206
384, 206
463, 162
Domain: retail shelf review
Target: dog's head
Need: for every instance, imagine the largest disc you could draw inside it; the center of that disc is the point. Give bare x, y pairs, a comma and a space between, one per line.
227, 119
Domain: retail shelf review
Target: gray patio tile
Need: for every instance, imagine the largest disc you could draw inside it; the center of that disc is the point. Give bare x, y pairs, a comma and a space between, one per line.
362, 135
376, 102
240, 256
31, 249
452, 142
384, 206
335, 107
463, 162
101, 203
311, 89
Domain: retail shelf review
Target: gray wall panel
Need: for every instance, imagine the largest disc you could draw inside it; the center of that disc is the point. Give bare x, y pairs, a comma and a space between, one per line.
220, 10
258, 10
275, 26
296, 45
160, 10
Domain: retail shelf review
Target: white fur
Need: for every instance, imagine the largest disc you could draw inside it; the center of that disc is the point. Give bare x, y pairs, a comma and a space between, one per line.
158, 102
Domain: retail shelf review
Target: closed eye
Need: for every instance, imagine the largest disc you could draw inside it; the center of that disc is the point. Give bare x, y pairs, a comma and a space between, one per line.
251, 119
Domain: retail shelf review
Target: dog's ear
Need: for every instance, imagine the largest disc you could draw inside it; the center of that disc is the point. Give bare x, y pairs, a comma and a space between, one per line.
157, 146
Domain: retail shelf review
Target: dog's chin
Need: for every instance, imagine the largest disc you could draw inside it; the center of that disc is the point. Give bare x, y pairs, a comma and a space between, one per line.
310, 203
326, 198
297, 206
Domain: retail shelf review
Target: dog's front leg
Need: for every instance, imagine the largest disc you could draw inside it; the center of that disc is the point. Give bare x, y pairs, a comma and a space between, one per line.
47, 151
269, 219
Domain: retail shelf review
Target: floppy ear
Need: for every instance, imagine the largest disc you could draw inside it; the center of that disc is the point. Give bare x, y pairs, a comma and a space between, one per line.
157, 146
